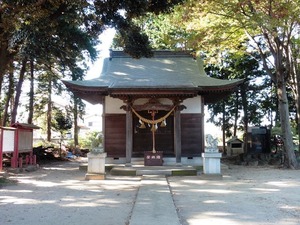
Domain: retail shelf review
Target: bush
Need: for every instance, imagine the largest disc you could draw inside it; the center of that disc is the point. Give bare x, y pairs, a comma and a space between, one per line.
92, 138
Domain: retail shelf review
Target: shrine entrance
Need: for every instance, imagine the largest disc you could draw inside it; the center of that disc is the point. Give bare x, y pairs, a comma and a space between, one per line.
143, 135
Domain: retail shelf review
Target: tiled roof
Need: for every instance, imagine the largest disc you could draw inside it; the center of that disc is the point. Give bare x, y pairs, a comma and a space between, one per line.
166, 70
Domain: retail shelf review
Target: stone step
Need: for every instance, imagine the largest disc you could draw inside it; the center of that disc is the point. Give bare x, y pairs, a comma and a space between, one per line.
153, 170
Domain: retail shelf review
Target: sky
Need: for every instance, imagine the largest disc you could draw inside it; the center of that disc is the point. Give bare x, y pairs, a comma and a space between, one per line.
95, 68
106, 41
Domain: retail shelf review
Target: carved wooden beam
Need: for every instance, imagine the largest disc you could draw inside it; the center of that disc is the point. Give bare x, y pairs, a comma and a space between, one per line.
153, 104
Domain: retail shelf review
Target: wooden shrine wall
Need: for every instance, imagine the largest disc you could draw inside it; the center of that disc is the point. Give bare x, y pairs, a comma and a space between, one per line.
115, 135
191, 135
191, 132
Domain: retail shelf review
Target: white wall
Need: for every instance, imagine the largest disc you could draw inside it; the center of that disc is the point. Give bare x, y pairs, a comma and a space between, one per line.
193, 105
112, 105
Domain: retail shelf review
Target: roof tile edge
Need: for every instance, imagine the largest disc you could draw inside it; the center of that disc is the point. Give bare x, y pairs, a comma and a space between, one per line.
157, 54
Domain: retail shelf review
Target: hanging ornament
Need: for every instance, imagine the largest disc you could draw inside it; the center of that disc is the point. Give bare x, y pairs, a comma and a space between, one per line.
149, 121
163, 123
142, 126
154, 127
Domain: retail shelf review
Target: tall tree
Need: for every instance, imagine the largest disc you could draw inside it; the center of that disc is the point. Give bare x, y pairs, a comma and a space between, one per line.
8, 97
77, 111
18, 90
245, 99
61, 123
266, 27
61, 31
274, 23
31, 93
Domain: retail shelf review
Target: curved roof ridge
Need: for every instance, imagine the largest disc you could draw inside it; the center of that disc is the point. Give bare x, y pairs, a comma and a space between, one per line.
171, 71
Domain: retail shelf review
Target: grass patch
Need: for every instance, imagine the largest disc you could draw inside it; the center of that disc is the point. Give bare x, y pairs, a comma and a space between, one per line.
198, 168
184, 172
123, 172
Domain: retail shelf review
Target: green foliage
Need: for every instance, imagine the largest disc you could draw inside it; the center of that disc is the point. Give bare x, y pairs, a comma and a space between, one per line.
276, 131
90, 139
245, 105
61, 122
59, 35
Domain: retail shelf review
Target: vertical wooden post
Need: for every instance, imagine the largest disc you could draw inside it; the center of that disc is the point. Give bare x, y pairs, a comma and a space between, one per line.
103, 123
34, 159
27, 160
1, 149
202, 126
153, 112
129, 134
20, 159
177, 135
16, 150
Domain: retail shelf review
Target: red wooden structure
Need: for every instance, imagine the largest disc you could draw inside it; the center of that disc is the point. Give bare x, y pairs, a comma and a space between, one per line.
17, 140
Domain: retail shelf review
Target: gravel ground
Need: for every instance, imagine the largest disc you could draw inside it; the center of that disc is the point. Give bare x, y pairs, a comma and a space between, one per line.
57, 193
245, 195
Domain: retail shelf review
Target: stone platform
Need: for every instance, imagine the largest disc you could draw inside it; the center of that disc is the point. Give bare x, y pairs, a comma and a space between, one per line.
154, 170
140, 170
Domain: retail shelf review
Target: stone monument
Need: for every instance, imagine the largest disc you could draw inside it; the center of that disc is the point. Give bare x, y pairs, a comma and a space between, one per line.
211, 156
96, 162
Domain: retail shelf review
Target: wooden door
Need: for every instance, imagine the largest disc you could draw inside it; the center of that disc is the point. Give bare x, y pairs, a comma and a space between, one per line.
142, 137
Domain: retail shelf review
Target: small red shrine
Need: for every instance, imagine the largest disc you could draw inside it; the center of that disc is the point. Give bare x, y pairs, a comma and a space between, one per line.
17, 141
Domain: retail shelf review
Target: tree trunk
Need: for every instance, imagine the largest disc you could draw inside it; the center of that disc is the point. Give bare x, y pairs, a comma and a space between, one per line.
8, 98
224, 122
75, 113
1, 82
31, 93
5, 60
290, 157
49, 109
245, 119
282, 73
236, 113
18, 92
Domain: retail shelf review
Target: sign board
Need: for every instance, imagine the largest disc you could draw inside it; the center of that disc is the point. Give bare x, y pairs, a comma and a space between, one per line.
8, 141
25, 140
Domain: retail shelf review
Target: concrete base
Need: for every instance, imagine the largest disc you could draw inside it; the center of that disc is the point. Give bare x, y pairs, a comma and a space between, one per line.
211, 163
94, 176
96, 163
96, 166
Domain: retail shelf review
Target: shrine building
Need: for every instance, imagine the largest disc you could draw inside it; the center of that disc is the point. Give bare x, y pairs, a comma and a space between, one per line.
153, 104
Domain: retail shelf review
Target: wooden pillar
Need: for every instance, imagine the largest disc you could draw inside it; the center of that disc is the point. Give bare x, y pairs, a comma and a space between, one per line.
1, 148
129, 134
202, 126
103, 123
16, 150
177, 135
